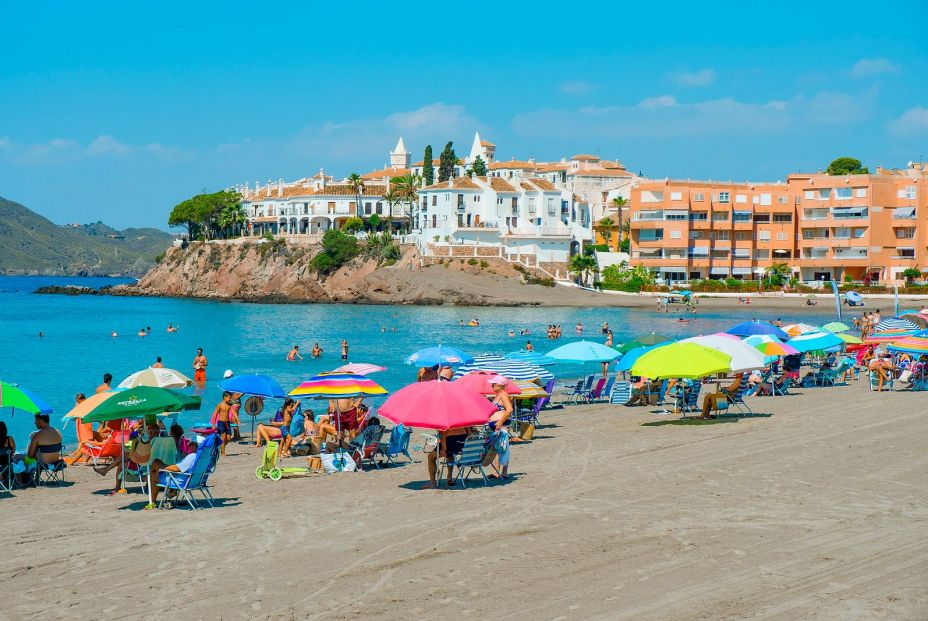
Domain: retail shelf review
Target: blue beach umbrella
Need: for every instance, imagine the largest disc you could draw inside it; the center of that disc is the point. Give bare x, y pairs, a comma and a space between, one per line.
815, 341
584, 351
441, 355
532, 357
258, 385
629, 358
749, 328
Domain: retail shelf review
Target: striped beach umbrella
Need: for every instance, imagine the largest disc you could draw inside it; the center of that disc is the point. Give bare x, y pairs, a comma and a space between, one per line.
749, 328
16, 397
917, 345
796, 329
338, 386
918, 319
889, 336
513, 369
360, 368
895, 323
532, 357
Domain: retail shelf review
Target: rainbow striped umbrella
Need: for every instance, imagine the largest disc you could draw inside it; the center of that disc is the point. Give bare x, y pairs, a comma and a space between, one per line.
797, 329
775, 348
911, 345
337, 386
888, 336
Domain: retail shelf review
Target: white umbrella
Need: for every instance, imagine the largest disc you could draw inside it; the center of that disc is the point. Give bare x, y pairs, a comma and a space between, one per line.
158, 378
744, 357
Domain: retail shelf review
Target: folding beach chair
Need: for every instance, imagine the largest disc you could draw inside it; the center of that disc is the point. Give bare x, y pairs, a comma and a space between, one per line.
722, 404
49, 473
185, 483
875, 382
621, 393
111, 449
689, 400
366, 444
597, 390
398, 445
607, 389
572, 394
549, 388
471, 460
6, 470
738, 399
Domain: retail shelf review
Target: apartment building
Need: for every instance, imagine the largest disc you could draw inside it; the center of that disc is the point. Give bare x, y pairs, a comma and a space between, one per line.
822, 227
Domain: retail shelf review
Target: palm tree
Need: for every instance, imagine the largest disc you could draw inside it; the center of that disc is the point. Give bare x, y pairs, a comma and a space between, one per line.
356, 183
407, 191
232, 217
777, 273
581, 264
605, 228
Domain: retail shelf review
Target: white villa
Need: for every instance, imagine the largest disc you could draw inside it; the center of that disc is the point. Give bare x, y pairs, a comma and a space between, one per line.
521, 207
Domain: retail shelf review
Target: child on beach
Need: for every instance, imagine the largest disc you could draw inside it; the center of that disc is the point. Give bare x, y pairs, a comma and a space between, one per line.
223, 426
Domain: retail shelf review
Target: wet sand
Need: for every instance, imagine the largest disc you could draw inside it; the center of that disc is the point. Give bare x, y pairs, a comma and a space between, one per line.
815, 509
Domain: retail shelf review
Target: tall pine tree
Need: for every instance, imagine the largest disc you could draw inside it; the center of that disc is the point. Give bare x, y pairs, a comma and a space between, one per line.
428, 170
446, 162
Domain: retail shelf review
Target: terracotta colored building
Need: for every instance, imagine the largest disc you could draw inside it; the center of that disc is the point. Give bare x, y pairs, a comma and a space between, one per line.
822, 227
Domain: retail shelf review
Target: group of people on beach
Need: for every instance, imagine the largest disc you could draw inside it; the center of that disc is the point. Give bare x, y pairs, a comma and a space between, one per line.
867, 323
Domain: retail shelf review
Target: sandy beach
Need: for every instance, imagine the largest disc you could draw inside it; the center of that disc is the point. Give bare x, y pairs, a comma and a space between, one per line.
815, 509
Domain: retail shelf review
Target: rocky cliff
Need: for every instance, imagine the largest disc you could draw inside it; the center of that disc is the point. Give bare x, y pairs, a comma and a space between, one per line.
280, 272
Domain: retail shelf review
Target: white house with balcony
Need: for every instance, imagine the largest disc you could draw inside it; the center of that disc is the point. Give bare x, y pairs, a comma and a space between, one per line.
522, 215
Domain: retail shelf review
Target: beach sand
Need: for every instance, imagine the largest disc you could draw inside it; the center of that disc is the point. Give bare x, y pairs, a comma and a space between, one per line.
817, 509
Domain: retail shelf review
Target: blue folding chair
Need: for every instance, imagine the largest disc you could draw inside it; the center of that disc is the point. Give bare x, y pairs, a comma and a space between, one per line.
195, 479
46, 473
397, 445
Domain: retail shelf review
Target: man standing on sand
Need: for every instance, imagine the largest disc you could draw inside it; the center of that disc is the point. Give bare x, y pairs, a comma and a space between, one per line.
105, 386
223, 426
199, 366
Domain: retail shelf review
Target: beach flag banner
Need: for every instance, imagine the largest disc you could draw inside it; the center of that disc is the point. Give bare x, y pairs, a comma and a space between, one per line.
338, 386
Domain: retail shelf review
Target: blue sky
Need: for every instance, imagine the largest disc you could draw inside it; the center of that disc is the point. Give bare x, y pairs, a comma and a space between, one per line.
117, 111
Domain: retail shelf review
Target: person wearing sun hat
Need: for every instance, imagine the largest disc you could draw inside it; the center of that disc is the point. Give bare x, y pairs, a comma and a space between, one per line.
500, 439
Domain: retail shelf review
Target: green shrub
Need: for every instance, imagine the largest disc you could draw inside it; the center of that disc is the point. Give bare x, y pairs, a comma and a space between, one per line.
353, 224
847, 278
337, 250
159, 258
597, 248
472, 261
484, 265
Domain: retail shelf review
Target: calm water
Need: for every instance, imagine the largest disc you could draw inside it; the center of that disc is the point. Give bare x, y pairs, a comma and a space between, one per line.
252, 338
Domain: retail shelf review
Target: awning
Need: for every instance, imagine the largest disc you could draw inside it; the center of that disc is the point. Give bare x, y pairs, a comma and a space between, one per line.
741, 270
849, 212
676, 212
701, 251
672, 269
743, 253
904, 212
743, 212
724, 271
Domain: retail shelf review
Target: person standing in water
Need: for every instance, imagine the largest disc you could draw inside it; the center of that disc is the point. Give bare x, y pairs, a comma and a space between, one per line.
199, 366
345, 349
158, 364
294, 354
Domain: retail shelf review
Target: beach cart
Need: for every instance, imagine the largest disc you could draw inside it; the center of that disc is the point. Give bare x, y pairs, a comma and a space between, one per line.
270, 468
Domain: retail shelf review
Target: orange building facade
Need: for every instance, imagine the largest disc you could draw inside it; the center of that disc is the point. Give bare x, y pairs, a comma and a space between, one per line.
823, 227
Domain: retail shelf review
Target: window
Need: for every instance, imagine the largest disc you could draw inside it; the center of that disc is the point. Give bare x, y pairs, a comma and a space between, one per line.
719, 216
699, 196
651, 235
695, 234
724, 197
781, 236
860, 192
698, 215
742, 236
434, 199
676, 196
910, 193
905, 233
824, 194
782, 200
741, 198
782, 217
761, 254
809, 194
843, 193
842, 233
742, 253
766, 199
763, 236
675, 235
907, 253
762, 218
743, 216
721, 235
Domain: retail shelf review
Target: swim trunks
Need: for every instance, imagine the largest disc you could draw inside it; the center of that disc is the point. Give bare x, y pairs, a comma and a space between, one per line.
199, 375
223, 427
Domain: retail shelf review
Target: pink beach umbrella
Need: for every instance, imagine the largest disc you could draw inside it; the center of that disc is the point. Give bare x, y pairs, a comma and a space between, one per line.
479, 381
437, 405
360, 368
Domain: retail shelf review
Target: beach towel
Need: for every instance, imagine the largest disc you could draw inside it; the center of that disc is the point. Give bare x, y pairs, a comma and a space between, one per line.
339, 461
165, 450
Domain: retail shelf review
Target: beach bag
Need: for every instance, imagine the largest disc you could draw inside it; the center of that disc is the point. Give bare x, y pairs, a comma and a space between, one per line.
430, 444
905, 375
338, 462
526, 431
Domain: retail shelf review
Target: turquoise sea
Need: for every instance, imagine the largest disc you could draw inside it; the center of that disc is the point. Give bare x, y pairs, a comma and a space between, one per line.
77, 348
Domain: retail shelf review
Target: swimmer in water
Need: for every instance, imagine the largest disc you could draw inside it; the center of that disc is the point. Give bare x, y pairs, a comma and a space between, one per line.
317, 351
294, 354
512, 332
113, 334
142, 332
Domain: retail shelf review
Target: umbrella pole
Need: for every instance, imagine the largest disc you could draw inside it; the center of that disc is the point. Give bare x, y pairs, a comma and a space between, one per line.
122, 457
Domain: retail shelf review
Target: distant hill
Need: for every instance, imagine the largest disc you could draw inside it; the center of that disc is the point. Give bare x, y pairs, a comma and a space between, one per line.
31, 244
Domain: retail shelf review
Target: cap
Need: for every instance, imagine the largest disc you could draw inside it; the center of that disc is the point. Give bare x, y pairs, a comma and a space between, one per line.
499, 379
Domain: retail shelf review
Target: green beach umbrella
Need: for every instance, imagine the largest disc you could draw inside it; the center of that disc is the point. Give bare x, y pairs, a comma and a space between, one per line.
683, 360
18, 398
643, 341
132, 403
836, 326
849, 338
